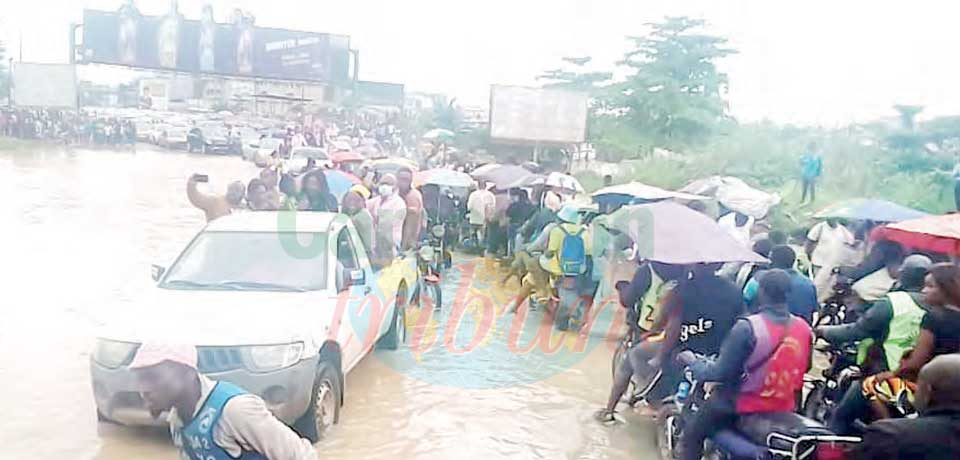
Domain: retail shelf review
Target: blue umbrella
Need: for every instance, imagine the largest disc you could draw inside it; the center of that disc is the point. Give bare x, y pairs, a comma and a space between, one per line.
869, 209
340, 182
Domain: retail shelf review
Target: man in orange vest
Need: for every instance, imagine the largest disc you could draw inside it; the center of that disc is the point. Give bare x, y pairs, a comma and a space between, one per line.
760, 366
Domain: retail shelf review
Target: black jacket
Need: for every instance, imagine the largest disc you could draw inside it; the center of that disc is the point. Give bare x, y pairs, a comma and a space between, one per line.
933, 436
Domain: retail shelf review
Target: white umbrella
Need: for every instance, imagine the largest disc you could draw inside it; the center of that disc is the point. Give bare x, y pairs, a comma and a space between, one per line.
645, 192
435, 134
563, 181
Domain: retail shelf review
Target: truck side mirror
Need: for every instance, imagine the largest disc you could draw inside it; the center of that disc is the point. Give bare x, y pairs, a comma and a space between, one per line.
156, 272
357, 278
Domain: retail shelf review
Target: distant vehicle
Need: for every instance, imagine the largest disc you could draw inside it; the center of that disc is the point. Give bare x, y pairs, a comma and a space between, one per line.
249, 142
174, 137
265, 148
212, 138
300, 155
288, 328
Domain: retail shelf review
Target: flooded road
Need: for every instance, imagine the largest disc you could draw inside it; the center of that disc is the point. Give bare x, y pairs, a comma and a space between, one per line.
80, 230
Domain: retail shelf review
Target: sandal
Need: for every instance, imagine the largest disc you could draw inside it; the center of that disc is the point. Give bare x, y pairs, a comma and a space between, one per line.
605, 417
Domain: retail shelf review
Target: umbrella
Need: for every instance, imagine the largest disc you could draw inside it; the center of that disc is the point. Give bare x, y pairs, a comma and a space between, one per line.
672, 233
393, 165
444, 177
939, 234
368, 150
505, 177
438, 134
340, 182
866, 209
563, 181
343, 157
482, 171
645, 192
340, 145
734, 194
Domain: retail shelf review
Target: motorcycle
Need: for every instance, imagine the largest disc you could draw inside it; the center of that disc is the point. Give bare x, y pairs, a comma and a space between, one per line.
834, 310
774, 436
428, 282
825, 393
438, 240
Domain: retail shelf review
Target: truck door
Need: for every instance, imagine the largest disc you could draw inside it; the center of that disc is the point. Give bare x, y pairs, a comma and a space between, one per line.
353, 292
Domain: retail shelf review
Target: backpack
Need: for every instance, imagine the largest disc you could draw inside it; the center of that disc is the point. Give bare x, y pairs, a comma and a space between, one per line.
573, 253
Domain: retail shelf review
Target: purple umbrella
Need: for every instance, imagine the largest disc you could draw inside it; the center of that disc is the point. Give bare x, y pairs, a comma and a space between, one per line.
675, 234
504, 176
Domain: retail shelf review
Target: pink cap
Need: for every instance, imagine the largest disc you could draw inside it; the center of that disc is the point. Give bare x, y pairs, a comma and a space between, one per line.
151, 354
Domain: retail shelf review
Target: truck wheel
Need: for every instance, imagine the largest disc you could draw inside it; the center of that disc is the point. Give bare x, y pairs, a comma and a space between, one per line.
324, 409
397, 334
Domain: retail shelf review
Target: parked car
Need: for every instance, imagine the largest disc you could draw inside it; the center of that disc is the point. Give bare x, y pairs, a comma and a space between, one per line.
211, 138
174, 137
284, 321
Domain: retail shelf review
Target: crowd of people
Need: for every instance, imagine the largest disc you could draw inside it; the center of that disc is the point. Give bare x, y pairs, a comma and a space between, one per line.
726, 323
387, 211
729, 324
67, 126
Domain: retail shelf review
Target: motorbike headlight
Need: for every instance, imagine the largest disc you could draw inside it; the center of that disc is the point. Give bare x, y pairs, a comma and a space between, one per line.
265, 358
438, 231
114, 354
426, 253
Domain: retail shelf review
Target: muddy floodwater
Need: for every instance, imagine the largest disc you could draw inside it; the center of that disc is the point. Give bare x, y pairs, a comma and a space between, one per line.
79, 231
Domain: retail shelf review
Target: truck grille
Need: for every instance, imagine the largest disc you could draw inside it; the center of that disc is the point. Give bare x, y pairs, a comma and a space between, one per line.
219, 359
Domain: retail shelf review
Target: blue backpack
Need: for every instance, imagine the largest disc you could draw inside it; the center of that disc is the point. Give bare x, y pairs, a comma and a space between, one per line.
573, 253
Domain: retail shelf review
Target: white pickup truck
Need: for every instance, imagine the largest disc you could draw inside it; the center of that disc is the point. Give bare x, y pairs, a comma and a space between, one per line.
282, 304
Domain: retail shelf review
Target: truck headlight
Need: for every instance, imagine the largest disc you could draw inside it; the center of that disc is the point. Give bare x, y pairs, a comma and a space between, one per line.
114, 354
265, 358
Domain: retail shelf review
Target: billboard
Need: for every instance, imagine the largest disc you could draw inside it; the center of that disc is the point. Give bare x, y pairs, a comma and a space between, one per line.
531, 115
44, 85
379, 93
171, 42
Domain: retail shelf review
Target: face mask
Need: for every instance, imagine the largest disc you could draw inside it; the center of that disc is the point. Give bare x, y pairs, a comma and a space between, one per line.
386, 190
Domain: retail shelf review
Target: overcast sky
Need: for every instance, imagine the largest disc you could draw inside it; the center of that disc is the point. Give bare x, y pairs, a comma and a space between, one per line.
813, 62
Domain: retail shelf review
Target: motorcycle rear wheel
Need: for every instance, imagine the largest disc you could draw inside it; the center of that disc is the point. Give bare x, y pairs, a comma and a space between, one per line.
668, 437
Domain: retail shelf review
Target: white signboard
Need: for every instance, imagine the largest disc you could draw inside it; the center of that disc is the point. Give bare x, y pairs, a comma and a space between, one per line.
537, 115
44, 85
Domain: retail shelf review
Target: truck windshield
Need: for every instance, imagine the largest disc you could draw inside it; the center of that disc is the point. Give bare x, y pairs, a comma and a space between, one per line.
254, 261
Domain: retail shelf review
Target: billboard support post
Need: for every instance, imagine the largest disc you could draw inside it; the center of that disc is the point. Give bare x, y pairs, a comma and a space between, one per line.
10, 82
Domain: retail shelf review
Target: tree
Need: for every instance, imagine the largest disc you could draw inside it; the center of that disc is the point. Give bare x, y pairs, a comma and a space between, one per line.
575, 77
908, 115
674, 94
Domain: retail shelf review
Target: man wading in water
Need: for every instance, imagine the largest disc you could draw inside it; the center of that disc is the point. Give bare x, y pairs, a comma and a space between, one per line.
211, 420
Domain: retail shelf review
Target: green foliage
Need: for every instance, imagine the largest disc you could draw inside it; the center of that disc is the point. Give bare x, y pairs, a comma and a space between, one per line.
574, 77
674, 94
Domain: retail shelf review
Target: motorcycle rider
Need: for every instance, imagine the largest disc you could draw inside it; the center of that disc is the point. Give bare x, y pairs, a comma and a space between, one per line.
939, 333
698, 315
643, 297
569, 258
886, 331
932, 435
761, 366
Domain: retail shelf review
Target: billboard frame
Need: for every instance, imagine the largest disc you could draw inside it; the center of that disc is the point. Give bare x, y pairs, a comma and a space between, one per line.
77, 57
11, 85
531, 142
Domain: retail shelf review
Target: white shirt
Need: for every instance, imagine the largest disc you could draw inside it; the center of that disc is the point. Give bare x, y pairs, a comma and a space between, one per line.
246, 424
833, 244
742, 234
874, 286
479, 205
